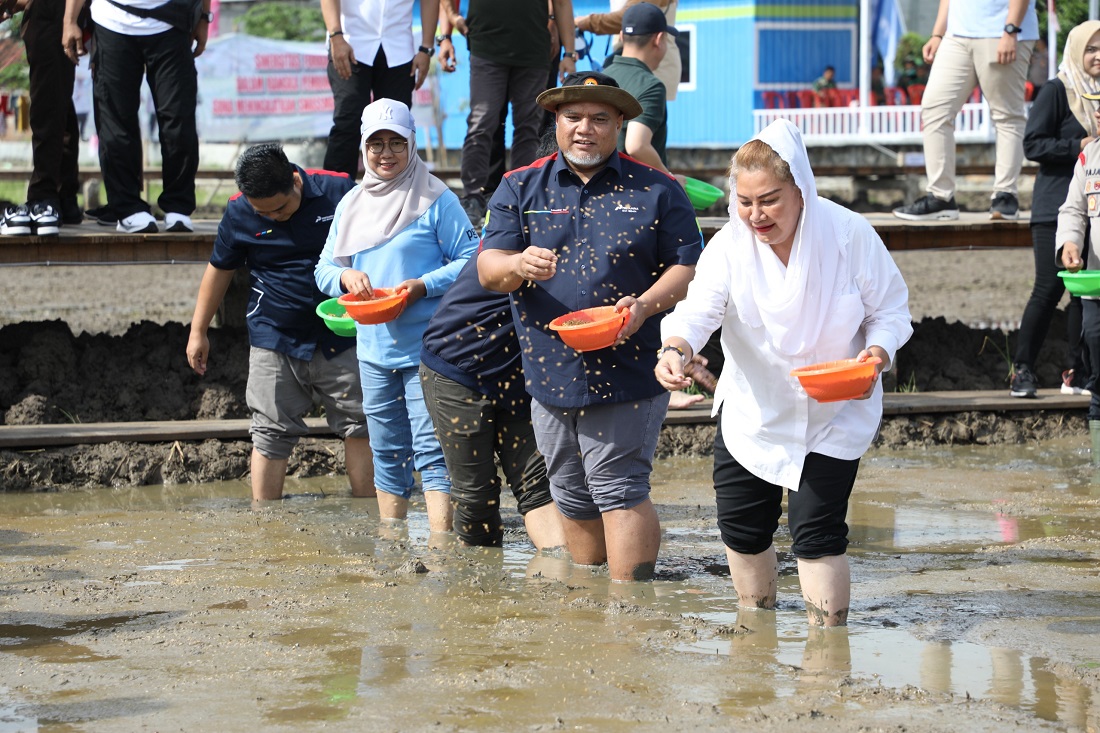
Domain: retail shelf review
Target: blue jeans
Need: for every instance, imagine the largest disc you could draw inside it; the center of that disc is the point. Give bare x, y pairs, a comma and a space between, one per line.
401, 433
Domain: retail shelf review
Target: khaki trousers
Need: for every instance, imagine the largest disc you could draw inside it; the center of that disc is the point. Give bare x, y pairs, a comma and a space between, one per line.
962, 63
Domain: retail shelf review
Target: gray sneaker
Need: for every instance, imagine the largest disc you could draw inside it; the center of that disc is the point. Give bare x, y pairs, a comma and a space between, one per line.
474, 206
929, 208
1024, 383
1004, 206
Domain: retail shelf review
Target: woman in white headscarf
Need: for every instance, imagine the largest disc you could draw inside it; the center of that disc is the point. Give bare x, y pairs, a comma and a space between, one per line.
1062, 121
402, 228
792, 280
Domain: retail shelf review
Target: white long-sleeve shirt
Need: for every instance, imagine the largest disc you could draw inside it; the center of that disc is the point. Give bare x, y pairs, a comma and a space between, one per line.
368, 24
769, 424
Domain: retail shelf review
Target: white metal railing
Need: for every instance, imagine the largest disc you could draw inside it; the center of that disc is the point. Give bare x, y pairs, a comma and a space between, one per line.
891, 125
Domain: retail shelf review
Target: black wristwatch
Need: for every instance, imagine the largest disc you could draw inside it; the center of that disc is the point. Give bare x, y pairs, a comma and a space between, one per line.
440, 39
208, 17
1012, 29
425, 50
571, 55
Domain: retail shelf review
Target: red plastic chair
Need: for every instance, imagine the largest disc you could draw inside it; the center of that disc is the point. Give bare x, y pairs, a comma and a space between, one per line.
807, 98
916, 93
896, 95
774, 100
1029, 91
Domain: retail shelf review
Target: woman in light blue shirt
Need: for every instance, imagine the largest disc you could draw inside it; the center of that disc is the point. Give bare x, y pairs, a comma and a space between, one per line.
401, 228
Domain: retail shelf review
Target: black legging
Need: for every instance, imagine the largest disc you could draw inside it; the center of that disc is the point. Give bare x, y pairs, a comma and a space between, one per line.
1044, 299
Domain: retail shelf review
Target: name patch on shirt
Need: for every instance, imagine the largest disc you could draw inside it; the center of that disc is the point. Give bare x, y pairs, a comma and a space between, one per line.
627, 208
324, 218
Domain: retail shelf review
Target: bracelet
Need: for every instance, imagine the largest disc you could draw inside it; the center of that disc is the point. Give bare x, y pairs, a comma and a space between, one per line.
335, 33
938, 35
665, 349
425, 50
553, 17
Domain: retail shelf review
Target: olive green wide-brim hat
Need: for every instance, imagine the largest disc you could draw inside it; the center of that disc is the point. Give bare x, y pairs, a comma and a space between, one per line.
591, 86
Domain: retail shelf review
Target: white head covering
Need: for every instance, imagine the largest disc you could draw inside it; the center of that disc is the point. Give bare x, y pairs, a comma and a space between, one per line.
792, 303
377, 209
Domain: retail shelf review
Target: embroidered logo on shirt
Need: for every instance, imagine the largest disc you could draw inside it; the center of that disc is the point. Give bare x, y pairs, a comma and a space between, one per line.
547, 211
323, 218
628, 208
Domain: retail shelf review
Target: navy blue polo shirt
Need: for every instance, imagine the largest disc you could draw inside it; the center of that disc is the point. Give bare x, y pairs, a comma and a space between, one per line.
281, 257
614, 236
471, 339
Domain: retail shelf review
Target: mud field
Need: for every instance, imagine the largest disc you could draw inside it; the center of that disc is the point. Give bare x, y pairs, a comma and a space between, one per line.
183, 606
101, 344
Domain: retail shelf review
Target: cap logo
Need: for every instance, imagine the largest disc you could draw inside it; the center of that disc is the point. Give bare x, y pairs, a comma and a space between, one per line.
628, 29
385, 113
591, 82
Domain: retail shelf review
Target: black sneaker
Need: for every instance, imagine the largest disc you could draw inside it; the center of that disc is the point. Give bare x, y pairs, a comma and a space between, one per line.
1024, 383
929, 208
45, 220
474, 206
71, 213
17, 220
1004, 206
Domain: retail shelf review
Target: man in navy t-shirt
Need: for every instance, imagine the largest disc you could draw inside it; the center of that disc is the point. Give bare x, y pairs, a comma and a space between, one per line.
277, 227
588, 227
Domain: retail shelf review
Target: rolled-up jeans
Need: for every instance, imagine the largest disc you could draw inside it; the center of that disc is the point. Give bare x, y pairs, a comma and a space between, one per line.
401, 433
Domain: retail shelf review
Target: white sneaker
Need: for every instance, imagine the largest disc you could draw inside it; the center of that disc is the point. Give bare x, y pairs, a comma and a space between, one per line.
178, 223
139, 223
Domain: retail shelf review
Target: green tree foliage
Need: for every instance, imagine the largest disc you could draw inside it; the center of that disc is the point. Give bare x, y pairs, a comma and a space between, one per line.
909, 49
1070, 14
17, 74
284, 21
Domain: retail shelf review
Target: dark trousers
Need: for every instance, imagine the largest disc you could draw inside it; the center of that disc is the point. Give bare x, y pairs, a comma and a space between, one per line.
1091, 337
492, 88
366, 84
55, 135
119, 62
472, 429
749, 507
1045, 295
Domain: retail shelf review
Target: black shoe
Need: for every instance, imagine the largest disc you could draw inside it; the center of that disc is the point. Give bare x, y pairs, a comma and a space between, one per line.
1004, 206
103, 215
17, 220
929, 208
475, 208
1024, 383
45, 220
71, 213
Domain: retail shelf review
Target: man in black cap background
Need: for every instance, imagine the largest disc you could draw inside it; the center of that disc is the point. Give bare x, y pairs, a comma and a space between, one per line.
586, 227
646, 37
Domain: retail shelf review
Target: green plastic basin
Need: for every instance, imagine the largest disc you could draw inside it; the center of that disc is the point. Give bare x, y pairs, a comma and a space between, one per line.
702, 195
1082, 282
336, 318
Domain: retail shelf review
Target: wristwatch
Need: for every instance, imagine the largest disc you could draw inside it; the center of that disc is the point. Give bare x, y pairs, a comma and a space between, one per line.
664, 349
571, 55
1012, 29
207, 16
440, 39
425, 50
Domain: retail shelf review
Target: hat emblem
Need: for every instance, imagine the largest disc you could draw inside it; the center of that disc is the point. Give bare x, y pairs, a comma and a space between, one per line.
385, 113
591, 82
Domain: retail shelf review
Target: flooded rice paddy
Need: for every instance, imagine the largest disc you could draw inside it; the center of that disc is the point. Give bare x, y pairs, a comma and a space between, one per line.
976, 606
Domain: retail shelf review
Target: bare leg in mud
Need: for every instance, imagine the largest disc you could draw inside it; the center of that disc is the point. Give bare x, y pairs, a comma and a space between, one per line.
754, 577
827, 589
544, 527
359, 465
268, 476
628, 539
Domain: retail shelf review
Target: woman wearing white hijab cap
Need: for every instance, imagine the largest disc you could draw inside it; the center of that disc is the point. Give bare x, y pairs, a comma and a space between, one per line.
792, 280
402, 228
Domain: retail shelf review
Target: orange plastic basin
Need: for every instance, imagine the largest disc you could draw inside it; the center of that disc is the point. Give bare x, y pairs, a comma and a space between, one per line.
590, 329
383, 306
833, 381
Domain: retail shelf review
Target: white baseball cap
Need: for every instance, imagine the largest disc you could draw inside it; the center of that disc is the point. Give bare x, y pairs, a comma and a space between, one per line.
388, 114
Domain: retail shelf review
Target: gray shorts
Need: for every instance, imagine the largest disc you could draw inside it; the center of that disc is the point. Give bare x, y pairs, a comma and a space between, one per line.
282, 390
599, 457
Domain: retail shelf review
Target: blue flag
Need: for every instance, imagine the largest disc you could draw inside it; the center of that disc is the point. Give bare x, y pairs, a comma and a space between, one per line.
888, 29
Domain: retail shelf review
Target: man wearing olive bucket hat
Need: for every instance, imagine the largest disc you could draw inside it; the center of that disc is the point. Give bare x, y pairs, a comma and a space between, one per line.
580, 228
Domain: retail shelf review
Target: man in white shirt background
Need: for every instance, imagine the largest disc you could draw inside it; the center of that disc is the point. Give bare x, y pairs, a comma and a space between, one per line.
371, 51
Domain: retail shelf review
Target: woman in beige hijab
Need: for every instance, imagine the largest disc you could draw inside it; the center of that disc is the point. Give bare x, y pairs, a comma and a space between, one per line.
1062, 121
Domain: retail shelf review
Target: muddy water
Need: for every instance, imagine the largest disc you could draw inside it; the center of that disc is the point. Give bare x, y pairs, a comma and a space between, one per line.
976, 606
